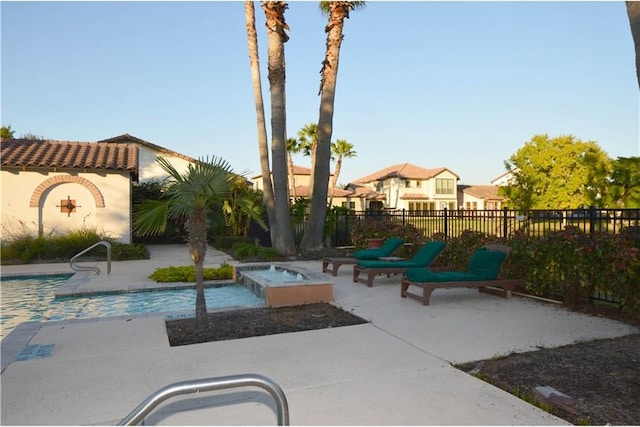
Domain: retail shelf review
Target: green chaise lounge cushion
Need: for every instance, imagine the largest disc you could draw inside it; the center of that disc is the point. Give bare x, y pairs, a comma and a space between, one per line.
387, 249
423, 258
484, 265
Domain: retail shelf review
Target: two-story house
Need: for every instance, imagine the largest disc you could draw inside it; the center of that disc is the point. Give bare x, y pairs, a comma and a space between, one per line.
411, 187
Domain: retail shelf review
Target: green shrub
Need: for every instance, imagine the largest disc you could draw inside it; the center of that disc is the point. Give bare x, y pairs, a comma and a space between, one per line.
248, 250
188, 274
27, 246
459, 249
227, 242
384, 229
122, 251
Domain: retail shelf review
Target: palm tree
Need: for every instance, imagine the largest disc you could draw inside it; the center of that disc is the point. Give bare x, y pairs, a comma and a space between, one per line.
293, 146
277, 37
263, 145
338, 11
633, 11
243, 205
187, 196
340, 149
308, 138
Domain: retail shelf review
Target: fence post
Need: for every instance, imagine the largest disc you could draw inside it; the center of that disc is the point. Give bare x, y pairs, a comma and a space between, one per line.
446, 224
403, 218
505, 226
592, 219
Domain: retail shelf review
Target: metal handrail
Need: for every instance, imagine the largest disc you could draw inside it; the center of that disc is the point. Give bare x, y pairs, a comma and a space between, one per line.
76, 267
209, 384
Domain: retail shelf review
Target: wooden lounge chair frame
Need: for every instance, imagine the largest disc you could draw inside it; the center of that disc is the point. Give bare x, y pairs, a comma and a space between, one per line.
373, 272
501, 287
336, 262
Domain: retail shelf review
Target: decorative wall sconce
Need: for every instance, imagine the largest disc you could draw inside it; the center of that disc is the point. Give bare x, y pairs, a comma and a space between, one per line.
68, 206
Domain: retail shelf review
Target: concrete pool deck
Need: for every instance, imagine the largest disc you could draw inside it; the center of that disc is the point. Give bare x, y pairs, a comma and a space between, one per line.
395, 370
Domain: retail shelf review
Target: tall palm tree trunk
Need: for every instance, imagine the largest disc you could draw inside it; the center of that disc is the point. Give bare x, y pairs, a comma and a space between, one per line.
263, 144
312, 239
292, 180
633, 11
274, 11
334, 180
196, 226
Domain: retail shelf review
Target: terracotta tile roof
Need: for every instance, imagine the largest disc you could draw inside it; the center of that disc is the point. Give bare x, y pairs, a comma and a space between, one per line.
129, 139
403, 171
485, 192
68, 155
367, 193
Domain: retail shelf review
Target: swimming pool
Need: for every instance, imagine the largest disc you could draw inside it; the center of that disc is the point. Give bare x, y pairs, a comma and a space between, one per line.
32, 299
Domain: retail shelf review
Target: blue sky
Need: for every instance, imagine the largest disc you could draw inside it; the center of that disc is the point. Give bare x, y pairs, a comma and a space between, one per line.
456, 84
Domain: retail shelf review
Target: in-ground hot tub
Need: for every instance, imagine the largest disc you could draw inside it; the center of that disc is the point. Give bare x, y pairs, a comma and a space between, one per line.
284, 284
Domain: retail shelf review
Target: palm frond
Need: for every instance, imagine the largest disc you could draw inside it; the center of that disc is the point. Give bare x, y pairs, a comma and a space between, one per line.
150, 217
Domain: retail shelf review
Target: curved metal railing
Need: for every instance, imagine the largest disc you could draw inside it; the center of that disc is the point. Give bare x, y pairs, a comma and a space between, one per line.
209, 384
76, 267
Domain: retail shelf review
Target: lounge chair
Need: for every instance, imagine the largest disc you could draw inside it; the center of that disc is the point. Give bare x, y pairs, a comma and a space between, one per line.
484, 268
388, 248
422, 259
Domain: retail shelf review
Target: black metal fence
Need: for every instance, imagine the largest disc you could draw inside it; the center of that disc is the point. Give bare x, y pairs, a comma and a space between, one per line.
502, 223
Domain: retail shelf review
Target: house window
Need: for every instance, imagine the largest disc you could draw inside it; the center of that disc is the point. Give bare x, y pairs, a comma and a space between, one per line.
418, 184
407, 183
444, 186
379, 185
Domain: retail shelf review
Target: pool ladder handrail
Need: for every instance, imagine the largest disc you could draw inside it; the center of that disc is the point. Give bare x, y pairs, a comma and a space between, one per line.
76, 267
210, 384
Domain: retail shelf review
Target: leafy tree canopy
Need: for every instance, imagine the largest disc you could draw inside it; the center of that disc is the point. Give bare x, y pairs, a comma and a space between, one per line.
557, 173
6, 132
624, 183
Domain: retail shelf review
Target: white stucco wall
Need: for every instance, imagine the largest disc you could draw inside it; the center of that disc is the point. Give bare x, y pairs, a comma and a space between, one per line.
149, 169
18, 189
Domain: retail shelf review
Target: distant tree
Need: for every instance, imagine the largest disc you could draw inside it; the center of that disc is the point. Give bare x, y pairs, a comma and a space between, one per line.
32, 136
307, 141
340, 149
554, 173
6, 132
624, 182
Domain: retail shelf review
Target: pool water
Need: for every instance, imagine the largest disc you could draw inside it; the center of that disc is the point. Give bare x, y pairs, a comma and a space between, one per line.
32, 299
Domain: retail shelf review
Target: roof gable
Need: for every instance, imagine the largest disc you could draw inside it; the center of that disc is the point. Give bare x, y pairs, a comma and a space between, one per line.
68, 155
404, 171
129, 139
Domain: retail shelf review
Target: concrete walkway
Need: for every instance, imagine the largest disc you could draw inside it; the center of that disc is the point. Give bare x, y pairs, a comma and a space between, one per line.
395, 370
